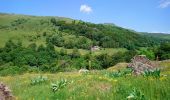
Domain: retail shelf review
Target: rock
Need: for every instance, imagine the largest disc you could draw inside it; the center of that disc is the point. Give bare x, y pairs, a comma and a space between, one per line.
5, 93
83, 71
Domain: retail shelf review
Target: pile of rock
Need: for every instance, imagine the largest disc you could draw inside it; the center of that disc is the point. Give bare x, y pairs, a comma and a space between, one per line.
5, 93
141, 63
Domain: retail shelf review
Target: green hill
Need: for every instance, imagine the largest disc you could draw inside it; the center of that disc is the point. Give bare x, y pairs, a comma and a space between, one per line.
158, 35
52, 44
24, 28
72, 33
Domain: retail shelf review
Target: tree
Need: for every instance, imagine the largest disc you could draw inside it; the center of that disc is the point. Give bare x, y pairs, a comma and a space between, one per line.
53, 21
164, 51
63, 52
9, 46
41, 48
32, 46
128, 55
75, 53
149, 54
118, 57
105, 60
51, 50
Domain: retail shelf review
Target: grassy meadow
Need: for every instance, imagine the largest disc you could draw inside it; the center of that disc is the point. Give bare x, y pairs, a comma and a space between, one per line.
94, 85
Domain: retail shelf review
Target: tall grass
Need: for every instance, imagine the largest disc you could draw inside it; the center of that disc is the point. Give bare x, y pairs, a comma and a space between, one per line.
92, 86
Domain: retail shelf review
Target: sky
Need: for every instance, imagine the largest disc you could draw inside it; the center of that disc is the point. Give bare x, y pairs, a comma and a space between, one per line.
138, 15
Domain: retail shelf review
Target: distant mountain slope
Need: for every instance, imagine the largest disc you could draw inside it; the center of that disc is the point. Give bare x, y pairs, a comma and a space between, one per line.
158, 35
69, 33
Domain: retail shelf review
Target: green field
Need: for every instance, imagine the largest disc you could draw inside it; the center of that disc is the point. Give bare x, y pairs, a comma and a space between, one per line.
109, 51
95, 85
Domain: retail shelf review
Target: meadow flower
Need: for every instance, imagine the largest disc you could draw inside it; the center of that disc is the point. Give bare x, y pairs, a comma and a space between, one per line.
163, 77
100, 77
115, 80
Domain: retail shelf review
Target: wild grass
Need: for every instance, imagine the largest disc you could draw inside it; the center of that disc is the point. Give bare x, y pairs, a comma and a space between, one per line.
109, 51
90, 86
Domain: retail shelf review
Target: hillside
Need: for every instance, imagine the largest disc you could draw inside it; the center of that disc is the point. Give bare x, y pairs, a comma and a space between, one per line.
158, 35
63, 44
29, 29
24, 28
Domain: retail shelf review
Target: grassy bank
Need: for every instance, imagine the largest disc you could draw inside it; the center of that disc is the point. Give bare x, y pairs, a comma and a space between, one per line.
90, 86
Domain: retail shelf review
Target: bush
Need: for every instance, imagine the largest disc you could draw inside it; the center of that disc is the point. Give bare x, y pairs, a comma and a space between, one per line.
39, 80
164, 51
136, 95
149, 53
153, 73
12, 70
118, 73
59, 85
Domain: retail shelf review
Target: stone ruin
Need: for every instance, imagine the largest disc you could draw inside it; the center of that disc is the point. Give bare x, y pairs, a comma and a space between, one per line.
141, 63
5, 93
95, 48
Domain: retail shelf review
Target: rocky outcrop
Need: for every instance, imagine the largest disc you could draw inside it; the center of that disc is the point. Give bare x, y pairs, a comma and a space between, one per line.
83, 71
5, 93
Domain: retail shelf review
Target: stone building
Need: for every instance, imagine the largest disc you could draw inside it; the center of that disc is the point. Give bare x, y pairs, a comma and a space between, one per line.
95, 48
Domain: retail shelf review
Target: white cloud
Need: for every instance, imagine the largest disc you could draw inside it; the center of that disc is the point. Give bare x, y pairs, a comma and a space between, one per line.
85, 9
164, 3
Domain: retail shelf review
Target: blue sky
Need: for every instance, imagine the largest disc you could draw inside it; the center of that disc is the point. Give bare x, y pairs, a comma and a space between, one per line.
139, 15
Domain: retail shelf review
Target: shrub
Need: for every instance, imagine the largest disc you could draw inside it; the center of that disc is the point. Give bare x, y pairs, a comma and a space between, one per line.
119, 73
127, 71
38, 80
59, 85
153, 73
136, 95
114, 74
9, 70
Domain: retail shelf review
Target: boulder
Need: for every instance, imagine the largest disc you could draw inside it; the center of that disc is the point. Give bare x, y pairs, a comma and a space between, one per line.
83, 71
5, 93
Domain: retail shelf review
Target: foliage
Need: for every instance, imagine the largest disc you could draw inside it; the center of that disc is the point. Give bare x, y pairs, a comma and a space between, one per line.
21, 56
136, 95
38, 80
149, 53
107, 35
153, 73
9, 69
47, 59
59, 85
164, 51
41, 36
69, 41
118, 73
